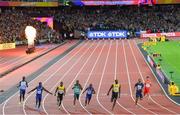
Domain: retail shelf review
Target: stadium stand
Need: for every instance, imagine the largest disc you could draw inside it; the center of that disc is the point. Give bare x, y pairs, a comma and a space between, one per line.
164, 18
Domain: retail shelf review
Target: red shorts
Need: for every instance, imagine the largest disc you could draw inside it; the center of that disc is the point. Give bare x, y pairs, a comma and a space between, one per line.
146, 90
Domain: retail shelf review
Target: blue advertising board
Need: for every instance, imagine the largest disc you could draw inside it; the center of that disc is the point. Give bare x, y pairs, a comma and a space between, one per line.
107, 34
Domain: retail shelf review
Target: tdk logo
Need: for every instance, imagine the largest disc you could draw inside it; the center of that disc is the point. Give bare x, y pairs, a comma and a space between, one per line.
97, 34
107, 34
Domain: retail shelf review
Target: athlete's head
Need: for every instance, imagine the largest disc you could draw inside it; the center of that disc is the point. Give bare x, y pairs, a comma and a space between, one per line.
61, 83
77, 81
90, 85
40, 83
139, 80
23, 78
116, 81
147, 77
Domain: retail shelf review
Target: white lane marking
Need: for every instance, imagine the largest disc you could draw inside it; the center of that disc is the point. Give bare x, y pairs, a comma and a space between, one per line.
63, 78
4, 103
143, 80
97, 97
130, 80
115, 77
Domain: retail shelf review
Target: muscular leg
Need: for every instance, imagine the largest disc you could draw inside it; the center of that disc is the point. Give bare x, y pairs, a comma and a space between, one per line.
114, 103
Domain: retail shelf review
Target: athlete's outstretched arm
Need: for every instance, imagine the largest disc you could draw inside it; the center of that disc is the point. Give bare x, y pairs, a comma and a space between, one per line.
94, 91
80, 86
56, 91
19, 85
26, 84
64, 91
47, 90
85, 90
110, 89
119, 91
32, 90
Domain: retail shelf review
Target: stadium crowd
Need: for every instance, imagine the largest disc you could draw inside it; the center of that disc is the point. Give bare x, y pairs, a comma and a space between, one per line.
13, 24
163, 18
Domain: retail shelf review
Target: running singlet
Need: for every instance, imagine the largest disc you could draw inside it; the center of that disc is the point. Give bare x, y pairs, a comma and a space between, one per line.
90, 90
76, 89
23, 85
39, 90
147, 84
61, 89
116, 88
139, 87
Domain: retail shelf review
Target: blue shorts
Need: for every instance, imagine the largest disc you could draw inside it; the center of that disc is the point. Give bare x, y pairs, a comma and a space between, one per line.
38, 97
22, 91
88, 96
139, 95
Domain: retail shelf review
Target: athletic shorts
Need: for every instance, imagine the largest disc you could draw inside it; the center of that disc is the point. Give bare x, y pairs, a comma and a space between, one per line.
88, 96
114, 95
38, 97
22, 92
60, 96
146, 90
139, 95
76, 96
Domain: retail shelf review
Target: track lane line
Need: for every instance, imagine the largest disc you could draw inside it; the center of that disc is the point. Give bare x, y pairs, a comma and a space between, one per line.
4, 103
115, 77
89, 76
97, 97
129, 81
140, 72
85, 64
139, 68
54, 86
52, 76
157, 79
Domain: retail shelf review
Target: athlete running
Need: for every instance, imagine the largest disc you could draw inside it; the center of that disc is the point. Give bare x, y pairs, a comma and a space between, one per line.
22, 89
139, 88
90, 91
61, 92
116, 91
77, 89
147, 86
39, 90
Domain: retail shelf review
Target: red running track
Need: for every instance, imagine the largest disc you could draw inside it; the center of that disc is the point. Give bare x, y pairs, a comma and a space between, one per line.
14, 57
99, 63
14, 77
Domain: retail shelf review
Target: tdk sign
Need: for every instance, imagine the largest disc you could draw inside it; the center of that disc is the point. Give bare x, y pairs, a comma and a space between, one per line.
107, 34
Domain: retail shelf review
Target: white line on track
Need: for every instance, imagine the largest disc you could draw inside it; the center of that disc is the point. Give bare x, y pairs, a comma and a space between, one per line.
4, 104
90, 75
54, 86
130, 81
69, 86
18, 59
157, 79
115, 77
143, 81
97, 97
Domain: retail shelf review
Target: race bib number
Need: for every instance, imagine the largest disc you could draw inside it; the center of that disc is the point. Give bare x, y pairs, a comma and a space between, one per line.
148, 85
139, 87
60, 92
39, 92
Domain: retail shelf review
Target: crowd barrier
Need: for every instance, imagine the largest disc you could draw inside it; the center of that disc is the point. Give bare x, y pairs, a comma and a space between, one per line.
159, 72
7, 46
168, 34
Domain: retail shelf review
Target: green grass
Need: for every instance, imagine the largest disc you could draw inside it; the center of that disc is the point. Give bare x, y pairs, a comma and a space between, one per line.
170, 55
